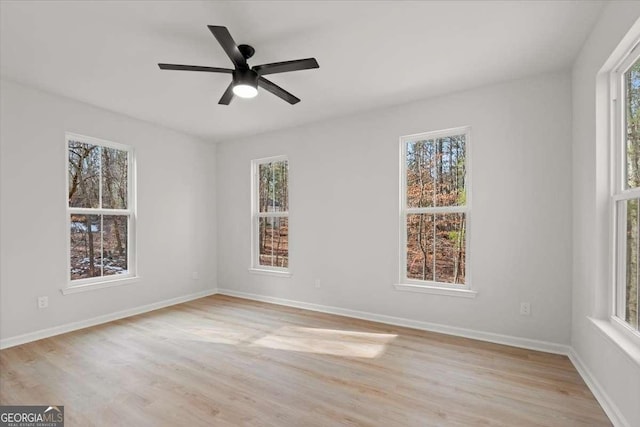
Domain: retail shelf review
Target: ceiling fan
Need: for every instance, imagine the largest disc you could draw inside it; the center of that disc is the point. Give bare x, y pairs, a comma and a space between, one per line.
246, 80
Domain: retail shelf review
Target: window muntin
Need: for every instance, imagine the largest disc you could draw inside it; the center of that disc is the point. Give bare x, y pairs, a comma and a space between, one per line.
270, 247
626, 195
435, 209
100, 210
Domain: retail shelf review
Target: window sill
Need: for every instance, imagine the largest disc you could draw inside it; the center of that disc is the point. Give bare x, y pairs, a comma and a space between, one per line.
436, 290
629, 345
100, 285
265, 272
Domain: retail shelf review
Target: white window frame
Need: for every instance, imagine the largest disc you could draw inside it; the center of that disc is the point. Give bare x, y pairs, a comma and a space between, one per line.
78, 285
618, 191
256, 215
430, 286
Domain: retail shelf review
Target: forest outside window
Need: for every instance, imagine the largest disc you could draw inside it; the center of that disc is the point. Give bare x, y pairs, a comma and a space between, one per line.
435, 209
270, 235
626, 195
100, 210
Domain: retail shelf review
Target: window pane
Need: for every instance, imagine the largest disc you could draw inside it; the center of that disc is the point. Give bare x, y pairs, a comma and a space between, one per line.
115, 165
84, 175
436, 247
436, 172
86, 257
115, 244
632, 119
273, 186
451, 171
450, 248
628, 307
420, 179
420, 246
274, 242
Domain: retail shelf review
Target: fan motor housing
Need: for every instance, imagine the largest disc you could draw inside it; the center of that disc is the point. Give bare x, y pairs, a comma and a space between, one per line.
245, 77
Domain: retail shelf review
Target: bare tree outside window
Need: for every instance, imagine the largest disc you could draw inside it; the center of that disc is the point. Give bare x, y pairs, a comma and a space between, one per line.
628, 201
435, 208
271, 216
99, 211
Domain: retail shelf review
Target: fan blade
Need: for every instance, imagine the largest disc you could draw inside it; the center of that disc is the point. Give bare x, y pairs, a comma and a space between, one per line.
229, 46
277, 91
227, 96
194, 68
283, 67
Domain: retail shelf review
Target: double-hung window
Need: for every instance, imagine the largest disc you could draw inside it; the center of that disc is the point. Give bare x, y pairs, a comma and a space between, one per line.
625, 84
100, 210
435, 209
270, 214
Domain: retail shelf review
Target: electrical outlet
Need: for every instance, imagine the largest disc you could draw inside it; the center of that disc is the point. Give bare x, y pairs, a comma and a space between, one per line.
195, 275
43, 302
317, 283
525, 308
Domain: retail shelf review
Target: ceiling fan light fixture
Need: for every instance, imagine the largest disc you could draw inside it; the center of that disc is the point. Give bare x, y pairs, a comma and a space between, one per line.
246, 79
245, 83
244, 91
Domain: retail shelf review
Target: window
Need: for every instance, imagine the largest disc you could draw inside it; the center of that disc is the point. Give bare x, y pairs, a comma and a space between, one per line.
270, 236
626, 189
100, 210
435, 209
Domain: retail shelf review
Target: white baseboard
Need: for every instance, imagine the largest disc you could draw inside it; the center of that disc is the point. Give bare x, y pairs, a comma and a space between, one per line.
73, 326
607, 404
527, 343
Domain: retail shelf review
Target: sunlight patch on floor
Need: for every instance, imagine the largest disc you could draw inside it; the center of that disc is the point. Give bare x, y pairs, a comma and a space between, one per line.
327, 341
220, 335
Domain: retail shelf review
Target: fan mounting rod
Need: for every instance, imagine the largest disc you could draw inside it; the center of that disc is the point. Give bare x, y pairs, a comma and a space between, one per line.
246, 50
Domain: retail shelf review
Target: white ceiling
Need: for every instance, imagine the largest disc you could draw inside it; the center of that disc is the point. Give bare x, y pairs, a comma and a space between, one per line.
371, 54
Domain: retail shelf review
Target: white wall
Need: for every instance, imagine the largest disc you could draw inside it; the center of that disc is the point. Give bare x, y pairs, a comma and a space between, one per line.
616, 373
176, 211
344, 210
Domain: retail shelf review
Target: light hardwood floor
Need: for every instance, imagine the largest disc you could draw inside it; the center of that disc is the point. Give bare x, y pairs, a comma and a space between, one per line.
227, 361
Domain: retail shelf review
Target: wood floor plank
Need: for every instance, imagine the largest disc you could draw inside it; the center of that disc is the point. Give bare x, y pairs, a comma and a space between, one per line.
227, 361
